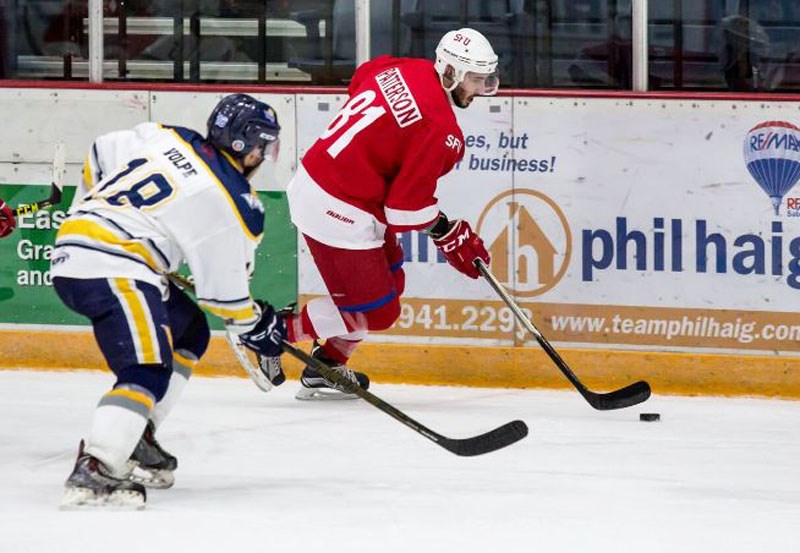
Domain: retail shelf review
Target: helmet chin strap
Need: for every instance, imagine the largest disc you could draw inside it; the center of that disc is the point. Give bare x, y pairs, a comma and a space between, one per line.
452, 87
453, 77
451, 90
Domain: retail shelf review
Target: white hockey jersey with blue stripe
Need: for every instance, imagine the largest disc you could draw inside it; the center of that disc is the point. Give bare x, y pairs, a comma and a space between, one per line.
155, 196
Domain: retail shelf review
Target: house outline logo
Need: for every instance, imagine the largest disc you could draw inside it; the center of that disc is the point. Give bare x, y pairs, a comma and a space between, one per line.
529, 239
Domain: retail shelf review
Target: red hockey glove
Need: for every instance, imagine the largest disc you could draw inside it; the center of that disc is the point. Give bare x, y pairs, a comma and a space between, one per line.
461, 247
7, 220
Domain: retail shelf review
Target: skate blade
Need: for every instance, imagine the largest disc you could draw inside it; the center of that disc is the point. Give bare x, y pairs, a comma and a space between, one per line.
76, 499
152, 478
322, 394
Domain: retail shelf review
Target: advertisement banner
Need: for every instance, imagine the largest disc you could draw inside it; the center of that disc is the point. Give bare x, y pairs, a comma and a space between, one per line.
648, 224
679, 232
26, 293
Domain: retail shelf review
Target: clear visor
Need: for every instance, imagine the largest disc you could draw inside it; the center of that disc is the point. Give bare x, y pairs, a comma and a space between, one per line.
271, 149
482, 84
264, 138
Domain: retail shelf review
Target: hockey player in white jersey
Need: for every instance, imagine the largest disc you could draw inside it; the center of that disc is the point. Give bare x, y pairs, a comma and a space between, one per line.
150, 464
172, 195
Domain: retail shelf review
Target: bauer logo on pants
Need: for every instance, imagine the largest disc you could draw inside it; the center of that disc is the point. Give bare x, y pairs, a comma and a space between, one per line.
533, 227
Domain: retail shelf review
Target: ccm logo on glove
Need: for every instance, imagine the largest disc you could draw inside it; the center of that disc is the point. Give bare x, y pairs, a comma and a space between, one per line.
456, 241
461, 247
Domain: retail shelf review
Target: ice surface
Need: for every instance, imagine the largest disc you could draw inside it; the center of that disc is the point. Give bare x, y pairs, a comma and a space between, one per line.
266, 473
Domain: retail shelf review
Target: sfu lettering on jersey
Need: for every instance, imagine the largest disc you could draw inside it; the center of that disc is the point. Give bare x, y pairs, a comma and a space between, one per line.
398, 96
453, 142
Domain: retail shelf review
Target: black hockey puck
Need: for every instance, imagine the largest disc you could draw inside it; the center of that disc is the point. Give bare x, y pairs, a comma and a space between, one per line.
649, 417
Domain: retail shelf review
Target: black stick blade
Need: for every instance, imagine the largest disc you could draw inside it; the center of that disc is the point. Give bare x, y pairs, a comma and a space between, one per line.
54, 199
55, 195
636, 393
493, 440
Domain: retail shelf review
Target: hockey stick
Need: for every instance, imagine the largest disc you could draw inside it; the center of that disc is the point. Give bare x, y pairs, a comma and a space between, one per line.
624, 397
59, 161
239, 351
498, 438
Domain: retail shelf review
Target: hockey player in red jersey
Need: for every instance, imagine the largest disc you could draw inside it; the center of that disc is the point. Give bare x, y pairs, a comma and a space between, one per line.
372, 173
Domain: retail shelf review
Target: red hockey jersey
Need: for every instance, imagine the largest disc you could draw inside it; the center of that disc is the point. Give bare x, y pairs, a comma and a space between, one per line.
385, 150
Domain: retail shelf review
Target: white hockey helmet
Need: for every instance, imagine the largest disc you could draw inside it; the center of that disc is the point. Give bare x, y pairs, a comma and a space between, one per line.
467, 51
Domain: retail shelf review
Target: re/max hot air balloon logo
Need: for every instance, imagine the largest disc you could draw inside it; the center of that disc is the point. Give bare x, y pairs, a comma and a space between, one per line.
772, 155
529, 240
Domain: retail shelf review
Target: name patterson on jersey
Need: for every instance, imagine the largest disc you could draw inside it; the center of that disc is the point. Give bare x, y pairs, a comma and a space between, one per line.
397, 94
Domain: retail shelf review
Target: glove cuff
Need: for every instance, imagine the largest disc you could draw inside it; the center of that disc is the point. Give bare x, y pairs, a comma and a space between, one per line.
439, 228
239, 330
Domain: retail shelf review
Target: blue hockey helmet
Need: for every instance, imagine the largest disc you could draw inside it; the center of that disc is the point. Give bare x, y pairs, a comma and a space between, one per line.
240, 123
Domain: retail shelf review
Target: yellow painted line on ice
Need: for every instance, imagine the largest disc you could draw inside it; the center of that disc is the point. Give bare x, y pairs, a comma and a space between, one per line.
510, 367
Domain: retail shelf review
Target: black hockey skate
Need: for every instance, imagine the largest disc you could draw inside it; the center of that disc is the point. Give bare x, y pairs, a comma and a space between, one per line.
316, 386
151, 465
91, 485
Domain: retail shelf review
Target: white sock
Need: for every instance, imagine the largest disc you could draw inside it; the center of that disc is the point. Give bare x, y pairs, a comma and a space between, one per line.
182, 366
117, 426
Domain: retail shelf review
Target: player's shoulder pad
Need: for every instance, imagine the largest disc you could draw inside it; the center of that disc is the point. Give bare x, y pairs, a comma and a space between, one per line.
247, 207
147, 130
138, 135
427, 91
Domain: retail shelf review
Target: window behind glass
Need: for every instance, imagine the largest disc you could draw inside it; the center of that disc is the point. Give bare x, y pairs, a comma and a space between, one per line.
743, 45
